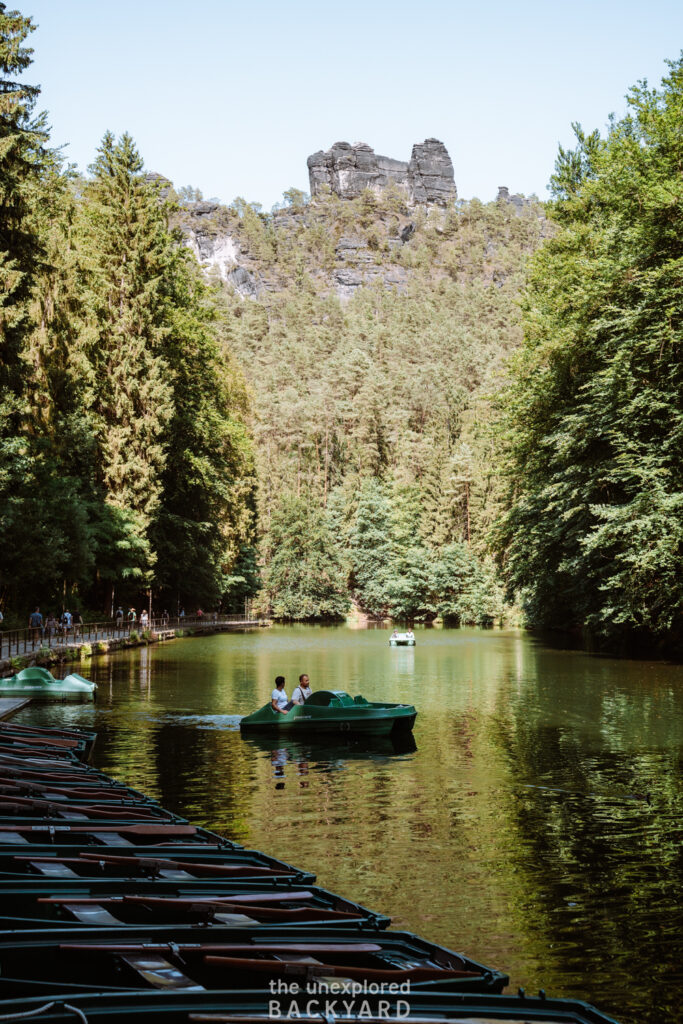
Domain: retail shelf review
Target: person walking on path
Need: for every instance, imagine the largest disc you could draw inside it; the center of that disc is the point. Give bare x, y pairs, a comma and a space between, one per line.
144, 619
35, 621
119, 617
78, 624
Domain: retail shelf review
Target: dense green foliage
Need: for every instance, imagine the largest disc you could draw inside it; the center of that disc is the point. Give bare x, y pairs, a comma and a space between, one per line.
304, 577
125, 461
356, 413
374, 405
594, 420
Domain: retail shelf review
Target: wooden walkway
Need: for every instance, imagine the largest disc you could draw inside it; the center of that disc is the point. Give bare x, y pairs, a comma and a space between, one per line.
8, 705
28, 641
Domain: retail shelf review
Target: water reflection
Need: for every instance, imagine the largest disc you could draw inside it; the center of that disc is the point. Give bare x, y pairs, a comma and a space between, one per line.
306, 755
538, 824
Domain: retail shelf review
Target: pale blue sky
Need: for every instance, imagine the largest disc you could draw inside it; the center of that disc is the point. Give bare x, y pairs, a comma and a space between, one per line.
231, 97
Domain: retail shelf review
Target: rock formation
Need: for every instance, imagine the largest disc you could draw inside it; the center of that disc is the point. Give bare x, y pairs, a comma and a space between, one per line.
430, 173
518, 201
347, 170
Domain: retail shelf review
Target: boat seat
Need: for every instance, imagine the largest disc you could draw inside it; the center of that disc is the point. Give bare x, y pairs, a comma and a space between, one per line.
53, 869
92, 913
161, 974
330, 699
111, 839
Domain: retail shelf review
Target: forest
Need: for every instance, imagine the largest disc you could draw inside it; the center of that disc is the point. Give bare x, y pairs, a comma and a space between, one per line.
484, 429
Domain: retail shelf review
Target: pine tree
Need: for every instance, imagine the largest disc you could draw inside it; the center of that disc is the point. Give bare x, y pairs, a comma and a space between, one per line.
203, 525
411, 585
304, 578
22, 158
21, 161
370, 548
127, 251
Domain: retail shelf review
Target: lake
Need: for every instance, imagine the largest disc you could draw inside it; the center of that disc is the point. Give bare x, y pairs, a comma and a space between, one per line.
536, 824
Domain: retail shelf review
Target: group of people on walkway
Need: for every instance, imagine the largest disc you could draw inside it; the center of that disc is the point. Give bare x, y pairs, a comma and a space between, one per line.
130, 617
52, 625
279, 700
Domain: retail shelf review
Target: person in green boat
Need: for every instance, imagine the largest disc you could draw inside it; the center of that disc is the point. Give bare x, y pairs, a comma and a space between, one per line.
302, 691
278, 699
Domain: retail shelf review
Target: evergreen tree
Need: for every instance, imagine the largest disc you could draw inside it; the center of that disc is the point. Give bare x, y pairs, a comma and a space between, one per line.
370, 549
21, 161
304, 578
127, 252
204, 521
411, 584
22, 158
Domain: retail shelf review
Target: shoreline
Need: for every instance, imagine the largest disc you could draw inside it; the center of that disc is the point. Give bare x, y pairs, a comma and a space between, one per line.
84, 651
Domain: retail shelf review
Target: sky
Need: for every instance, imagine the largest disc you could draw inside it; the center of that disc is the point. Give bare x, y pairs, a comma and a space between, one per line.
232, 96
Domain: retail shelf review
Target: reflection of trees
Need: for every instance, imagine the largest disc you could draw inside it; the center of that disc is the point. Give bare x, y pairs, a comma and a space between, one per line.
572, 887
603, 861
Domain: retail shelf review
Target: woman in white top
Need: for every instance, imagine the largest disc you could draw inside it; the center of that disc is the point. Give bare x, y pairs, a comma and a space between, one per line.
279, 701
302, 691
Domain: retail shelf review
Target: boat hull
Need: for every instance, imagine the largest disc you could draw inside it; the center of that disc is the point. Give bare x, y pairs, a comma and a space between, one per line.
402, 640
39, 683
340, 715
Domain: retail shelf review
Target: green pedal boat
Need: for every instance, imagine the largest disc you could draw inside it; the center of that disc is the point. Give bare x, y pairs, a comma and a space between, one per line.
333, 711
39, 683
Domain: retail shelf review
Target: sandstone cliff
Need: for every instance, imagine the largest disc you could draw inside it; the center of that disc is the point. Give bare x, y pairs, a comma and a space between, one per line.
348, 170
370, 219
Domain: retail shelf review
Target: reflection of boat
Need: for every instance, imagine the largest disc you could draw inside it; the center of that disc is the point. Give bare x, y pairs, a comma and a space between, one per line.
38, 682
338, 748
402, 640
333, 711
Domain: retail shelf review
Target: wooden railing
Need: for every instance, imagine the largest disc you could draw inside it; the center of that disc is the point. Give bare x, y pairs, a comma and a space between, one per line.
23, 641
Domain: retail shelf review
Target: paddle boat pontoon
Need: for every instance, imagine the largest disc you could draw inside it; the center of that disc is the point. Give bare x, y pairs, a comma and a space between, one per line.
38, 682
333, 711
402, 640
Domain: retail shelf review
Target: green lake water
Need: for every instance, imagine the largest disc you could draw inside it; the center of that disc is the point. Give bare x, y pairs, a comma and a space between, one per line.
537, 824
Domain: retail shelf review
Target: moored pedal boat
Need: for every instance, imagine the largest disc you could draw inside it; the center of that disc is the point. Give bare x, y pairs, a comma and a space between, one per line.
333, 711
37, 682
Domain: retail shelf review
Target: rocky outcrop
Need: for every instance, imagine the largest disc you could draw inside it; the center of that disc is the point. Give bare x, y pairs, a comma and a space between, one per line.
430, 173
356, 265
348, 170
217, 250
517, 200
162, 183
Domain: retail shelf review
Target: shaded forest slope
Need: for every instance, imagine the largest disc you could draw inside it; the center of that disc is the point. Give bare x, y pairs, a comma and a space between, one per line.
372, 336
